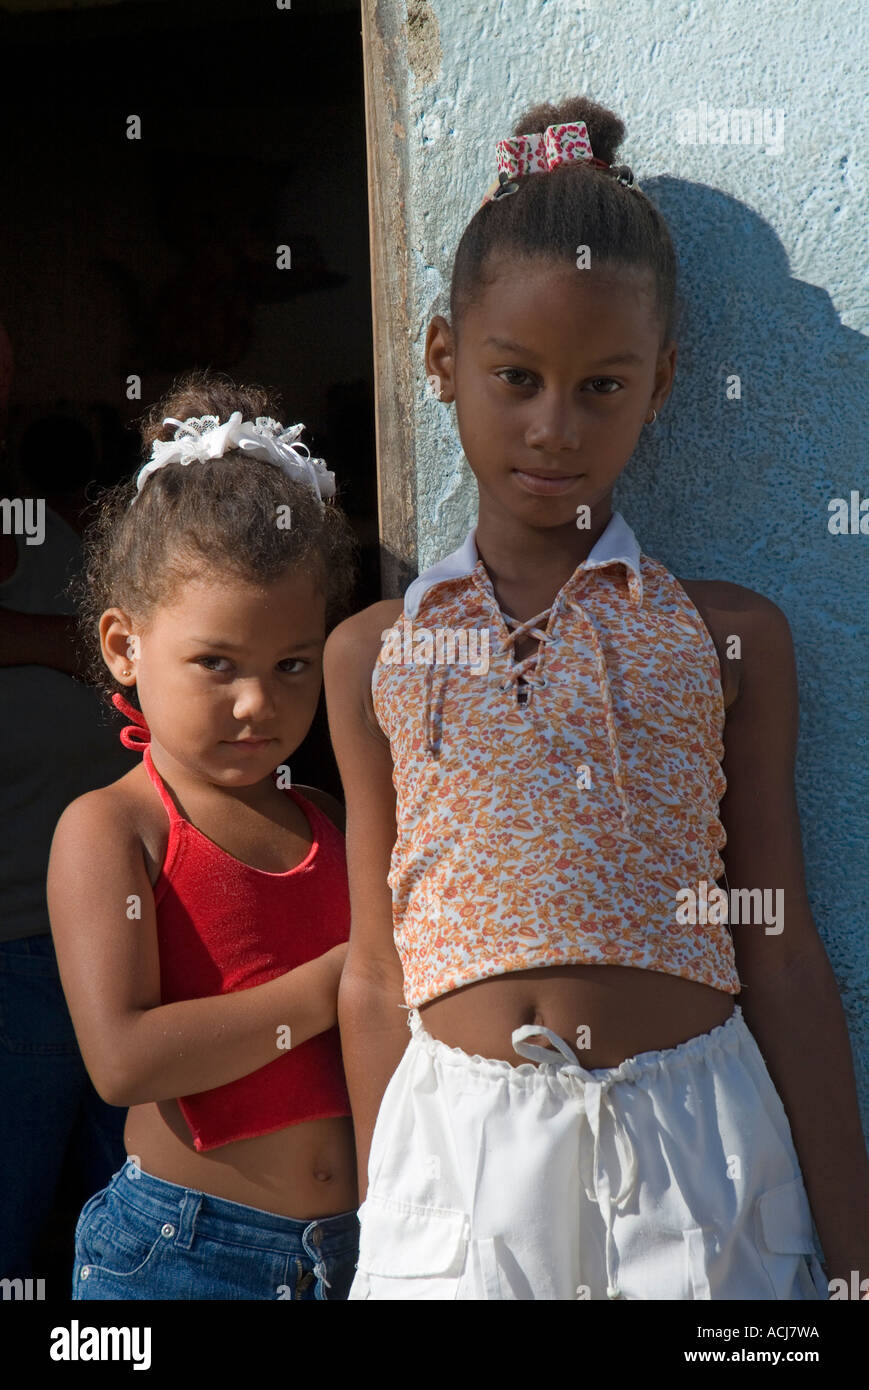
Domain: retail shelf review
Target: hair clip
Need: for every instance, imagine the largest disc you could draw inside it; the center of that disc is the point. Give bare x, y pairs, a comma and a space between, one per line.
624, 175
507, 186
502, 189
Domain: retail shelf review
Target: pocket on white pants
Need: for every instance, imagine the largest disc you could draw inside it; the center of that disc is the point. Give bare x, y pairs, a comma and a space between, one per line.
785, 1243
673, 1268
408, 1251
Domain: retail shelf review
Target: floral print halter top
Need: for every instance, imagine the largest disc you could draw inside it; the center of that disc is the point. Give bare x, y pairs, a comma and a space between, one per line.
549, 810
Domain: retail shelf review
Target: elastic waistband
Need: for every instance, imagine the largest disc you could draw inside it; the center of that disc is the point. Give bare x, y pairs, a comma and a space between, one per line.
192, 1212
732, 1034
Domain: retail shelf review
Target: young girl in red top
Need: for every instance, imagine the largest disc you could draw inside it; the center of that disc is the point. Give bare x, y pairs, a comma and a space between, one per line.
199, 904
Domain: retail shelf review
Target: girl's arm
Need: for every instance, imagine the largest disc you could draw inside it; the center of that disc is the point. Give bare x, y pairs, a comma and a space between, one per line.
372, 1020
103, 921
790, 1001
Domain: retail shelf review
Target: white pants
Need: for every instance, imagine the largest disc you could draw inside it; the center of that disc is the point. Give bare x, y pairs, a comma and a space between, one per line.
672, 1176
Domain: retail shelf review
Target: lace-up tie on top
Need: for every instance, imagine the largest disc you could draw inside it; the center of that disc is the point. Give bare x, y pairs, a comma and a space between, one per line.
533, 663
519, 671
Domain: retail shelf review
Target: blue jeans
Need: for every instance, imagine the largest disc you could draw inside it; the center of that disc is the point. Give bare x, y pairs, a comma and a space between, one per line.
51, 1117
145, 1238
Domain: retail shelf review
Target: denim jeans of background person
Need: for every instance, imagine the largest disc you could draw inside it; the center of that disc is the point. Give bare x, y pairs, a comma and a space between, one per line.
143, 1237
55, 744
50, 1114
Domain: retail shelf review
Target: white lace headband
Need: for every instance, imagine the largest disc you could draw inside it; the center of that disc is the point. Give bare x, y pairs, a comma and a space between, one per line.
204, 437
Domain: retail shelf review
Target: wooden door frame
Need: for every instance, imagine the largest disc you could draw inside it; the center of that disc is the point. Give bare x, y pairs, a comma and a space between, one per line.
384, 51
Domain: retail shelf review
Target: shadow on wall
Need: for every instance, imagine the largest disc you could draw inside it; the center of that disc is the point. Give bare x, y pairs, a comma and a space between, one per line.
739, 489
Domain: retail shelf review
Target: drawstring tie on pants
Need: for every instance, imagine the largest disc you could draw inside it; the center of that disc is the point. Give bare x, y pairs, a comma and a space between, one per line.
595, 1097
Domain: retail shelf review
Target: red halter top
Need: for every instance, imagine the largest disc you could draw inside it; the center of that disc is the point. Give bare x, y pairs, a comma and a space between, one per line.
223, 925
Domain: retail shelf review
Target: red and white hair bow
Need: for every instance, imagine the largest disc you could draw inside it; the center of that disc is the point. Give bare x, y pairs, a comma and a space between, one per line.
539, 154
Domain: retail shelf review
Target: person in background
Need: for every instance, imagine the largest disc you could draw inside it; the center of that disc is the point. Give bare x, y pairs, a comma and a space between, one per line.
54, 745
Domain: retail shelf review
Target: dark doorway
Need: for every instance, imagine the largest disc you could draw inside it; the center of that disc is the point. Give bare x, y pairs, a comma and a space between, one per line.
145, 257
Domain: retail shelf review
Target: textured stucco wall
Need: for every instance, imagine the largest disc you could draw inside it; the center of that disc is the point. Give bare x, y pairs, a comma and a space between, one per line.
772, 258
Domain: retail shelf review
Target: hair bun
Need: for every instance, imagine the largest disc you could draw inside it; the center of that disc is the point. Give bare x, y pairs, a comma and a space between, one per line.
605, 130
203, 392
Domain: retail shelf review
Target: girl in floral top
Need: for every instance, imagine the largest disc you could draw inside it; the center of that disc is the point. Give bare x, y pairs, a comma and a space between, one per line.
534, 743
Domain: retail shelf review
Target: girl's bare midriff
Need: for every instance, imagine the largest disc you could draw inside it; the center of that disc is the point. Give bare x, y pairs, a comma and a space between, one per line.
625, 1010
304, 1171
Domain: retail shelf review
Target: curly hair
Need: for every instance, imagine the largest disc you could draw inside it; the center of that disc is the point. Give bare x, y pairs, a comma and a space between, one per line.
218, 515
577, 202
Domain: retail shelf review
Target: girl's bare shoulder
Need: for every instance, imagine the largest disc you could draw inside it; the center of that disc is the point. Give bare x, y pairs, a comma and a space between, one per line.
327, 803
352, 646
349, 658
127, 813
733, 611
363, 627
731, 608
